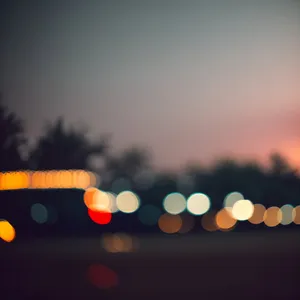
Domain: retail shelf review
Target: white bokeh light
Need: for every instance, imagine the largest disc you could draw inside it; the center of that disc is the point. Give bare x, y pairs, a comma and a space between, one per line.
113, 202
127, 202
242, 210
174, 203
198, 204
288, 214
231, 199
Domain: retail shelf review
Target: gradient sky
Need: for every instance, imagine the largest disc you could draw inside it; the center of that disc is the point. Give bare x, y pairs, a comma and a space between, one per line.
193, 80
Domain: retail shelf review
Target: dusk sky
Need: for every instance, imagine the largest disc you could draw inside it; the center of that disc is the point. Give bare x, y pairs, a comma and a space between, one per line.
193, 80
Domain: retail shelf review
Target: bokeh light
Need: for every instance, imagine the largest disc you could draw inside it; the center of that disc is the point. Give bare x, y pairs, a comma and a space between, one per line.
82, 179
174, 203
297, 215
198, 204
288, 214
170, 223
119, 243
273, 216
149, 214
128, 202
100, 217
224, 220
242, 210
113, 202
102, 277
65, 179
62, 179
208, 222
258, 214
97, 200
89, 195
188, 223
101, 201
14, 180
53, 179
7, 231
39, 213
231, 198
94, 179
37, 180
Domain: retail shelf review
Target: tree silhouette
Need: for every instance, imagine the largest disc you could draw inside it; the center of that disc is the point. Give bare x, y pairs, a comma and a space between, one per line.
279, 165
62, 148
283, 182
127, 164
134, 160
12, 139
227, 176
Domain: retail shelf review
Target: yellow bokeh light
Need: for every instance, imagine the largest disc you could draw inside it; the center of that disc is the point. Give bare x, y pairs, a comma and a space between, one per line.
101, 202
258, 214
7, 231
273, 216
242, 210
127, 202
224, 220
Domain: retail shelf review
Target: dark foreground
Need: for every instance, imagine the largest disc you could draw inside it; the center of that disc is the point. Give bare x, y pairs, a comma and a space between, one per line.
215, 266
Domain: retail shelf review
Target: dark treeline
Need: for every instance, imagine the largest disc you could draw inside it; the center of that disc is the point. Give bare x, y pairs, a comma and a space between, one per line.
69, 147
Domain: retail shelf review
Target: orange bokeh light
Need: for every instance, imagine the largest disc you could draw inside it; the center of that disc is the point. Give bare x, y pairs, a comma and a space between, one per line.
273, 216
224, 220
7, 231
89, 196
208, 222
38, 180
119, 242
46, 179
258, 214
97, 200
296, 213
14, 180
169, 223
82, 179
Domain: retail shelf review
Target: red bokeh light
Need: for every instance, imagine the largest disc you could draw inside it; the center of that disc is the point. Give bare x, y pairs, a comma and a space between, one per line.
102, 276
100, 217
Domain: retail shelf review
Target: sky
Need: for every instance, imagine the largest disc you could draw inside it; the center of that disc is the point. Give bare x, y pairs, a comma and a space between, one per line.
191, 80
